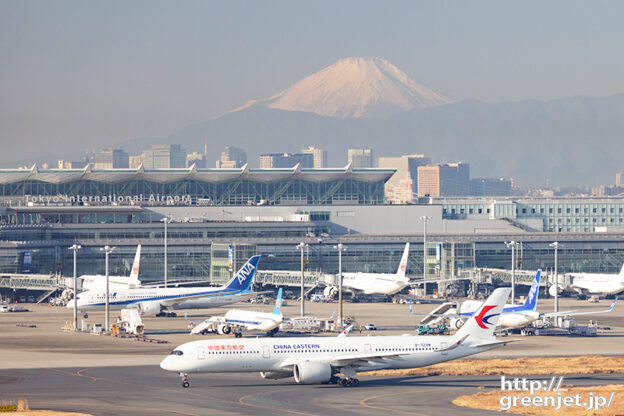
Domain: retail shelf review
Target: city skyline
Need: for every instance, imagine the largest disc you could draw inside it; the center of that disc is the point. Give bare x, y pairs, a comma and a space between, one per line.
84, 76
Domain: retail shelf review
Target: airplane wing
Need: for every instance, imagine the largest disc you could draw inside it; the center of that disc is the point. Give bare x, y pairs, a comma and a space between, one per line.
575, 313
182, 298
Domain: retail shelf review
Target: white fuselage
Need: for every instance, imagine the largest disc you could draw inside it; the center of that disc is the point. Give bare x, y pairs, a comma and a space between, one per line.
279, 354
374, 283
236, 318
597, 284
127, 298
98, 282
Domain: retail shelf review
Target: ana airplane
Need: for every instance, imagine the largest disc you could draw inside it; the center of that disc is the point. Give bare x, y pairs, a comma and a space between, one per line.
374, 283
93, 282
151, 301
593, 284
237, 321
513, 316
315, 360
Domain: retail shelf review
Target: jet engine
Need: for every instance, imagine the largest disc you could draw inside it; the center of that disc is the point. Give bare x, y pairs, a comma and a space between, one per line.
455, 323
223, 329
329, 292
274, 375
312, 372
149, 308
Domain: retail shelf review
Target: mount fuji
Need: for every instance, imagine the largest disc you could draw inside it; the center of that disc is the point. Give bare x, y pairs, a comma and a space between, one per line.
368, 102
354, 88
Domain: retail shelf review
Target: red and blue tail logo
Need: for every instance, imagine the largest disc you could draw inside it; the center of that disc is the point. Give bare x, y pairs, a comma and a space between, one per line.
482, 320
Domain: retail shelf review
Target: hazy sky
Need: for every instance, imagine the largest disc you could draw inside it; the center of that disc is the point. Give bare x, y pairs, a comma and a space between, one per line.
80, 74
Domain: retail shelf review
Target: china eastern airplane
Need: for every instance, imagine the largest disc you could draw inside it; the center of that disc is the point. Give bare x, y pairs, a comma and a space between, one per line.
594, 283
237, 321
92, 282
151, 301
374, 283
315, 360
513, 316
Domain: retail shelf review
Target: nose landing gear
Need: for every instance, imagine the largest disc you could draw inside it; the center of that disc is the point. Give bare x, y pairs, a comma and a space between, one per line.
185, 382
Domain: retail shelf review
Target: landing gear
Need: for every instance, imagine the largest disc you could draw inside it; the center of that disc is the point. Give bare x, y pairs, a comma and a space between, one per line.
238, 335
334, 380
349, 382
185, 382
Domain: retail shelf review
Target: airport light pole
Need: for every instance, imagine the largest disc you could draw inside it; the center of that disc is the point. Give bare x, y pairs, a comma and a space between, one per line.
513, 245
340, 247
75, 247
166, 220
425, 219
555, 245
302, 246
107, 250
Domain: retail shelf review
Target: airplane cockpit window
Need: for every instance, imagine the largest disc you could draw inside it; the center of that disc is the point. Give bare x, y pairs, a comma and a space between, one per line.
176, 352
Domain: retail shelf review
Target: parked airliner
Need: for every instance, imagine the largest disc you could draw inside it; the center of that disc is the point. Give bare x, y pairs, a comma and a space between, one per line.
312, 360
237, 321
93, 282
513, 316
593, 283
151, 301
374, 283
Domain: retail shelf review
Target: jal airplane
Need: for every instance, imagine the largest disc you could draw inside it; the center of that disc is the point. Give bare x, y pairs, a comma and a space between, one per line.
237, 321
92, 282
374, 283
316, 360
595, 283
151, 301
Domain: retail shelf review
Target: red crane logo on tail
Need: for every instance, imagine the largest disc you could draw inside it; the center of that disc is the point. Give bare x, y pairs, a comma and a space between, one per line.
481, 318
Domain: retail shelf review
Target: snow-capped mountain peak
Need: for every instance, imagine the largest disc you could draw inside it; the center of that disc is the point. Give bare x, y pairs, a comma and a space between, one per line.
354, 87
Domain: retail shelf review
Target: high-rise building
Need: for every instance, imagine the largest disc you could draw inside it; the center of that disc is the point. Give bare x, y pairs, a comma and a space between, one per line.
286, 160
135, 161
197, 159
403, 185
360, 158
490, 187
164, 156
232, 158
111, 159
319, 155
619, 179
444, 179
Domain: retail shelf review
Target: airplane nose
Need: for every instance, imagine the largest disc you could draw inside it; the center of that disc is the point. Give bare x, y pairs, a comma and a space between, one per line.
167, 363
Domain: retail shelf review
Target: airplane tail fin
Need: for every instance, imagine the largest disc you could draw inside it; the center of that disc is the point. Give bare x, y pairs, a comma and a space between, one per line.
134, 274
403, 265
531, 301
622, 271
278, 303
242, 280
482, 323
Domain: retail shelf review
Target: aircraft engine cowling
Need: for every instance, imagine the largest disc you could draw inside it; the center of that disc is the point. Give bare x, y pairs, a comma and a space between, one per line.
330, 292
312, 372
274, 375
149, 308
455, 323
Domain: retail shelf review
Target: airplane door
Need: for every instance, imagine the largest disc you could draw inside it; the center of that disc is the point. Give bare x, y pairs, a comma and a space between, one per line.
444, 346
201, 353
367, 348
266, 353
